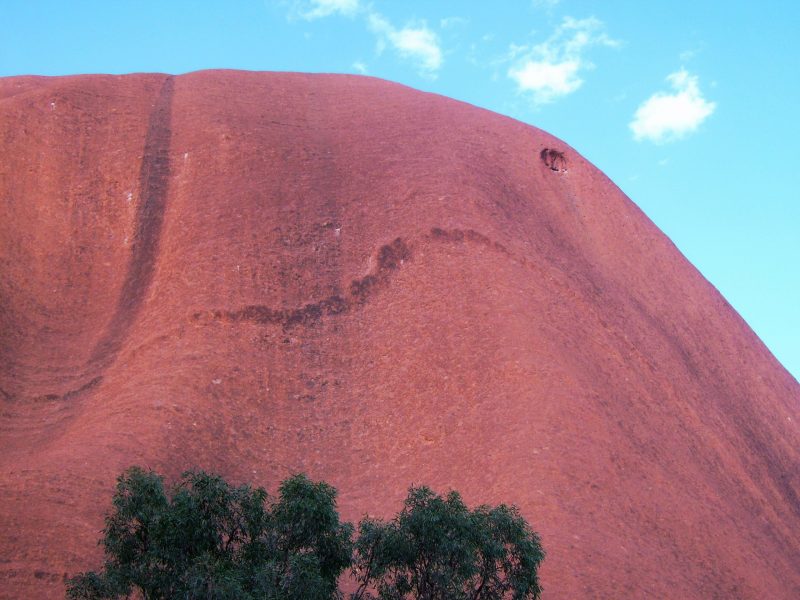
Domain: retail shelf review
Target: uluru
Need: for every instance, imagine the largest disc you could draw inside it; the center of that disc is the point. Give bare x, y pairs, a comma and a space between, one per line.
260, 274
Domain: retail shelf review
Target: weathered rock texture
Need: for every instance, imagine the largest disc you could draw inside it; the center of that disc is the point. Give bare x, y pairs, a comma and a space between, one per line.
260, 273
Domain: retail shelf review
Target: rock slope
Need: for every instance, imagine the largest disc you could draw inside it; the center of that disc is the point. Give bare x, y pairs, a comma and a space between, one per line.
262, 273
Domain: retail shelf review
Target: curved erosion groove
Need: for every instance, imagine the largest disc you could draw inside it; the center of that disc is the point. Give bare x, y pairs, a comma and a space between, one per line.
153, 189
71, 393
389, 259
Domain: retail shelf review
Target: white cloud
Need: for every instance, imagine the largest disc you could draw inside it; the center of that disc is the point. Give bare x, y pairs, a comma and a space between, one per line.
317, 9
547, 80
420, 44
414, 42
417, 43
452, 22
552, 69
665, 117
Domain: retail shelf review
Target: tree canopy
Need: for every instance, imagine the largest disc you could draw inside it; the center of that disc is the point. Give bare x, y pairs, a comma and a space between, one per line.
203, 538
437, 549
207, 539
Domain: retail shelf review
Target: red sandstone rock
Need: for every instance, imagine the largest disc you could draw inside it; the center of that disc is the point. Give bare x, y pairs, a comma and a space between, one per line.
260, 273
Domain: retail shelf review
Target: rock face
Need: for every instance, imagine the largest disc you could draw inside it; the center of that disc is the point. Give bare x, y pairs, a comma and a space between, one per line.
259, 274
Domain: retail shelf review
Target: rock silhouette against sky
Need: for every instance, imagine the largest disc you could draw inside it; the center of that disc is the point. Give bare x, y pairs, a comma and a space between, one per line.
259, 274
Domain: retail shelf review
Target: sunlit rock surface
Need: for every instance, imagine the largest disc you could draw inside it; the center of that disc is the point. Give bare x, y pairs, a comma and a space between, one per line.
260, 273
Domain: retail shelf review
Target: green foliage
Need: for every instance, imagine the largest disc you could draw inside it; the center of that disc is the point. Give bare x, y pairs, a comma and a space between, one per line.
437, 549
207, 539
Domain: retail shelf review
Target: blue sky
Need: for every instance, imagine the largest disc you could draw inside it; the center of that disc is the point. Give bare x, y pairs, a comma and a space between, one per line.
691, 107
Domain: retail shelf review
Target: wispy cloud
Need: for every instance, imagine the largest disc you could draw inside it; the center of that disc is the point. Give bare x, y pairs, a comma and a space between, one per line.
665, 117
452, 22
317, 9
553, 68
413, 42
547, 80
545, 3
